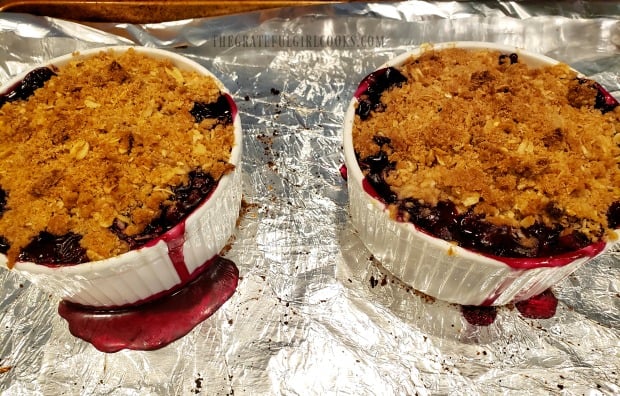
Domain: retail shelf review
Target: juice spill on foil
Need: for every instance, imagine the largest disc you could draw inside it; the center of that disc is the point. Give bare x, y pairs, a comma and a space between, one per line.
542, 306
157, 323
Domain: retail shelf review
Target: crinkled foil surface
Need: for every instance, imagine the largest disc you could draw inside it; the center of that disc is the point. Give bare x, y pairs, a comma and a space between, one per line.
313, 313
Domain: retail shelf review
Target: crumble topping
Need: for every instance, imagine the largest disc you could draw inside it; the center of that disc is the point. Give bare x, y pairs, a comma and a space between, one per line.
517, 146
105, 140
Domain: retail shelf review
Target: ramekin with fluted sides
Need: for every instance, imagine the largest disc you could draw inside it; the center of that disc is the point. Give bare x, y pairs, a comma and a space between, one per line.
437, 267
154, 269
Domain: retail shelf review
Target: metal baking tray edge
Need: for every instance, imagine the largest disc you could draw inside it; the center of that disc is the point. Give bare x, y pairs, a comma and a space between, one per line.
144, 11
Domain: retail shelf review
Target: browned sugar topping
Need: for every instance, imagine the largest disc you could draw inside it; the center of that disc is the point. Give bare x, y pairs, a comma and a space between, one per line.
105, 139
511, 140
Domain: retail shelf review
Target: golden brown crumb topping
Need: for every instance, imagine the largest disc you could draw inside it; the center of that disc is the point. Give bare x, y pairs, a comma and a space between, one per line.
107, 138
508, 140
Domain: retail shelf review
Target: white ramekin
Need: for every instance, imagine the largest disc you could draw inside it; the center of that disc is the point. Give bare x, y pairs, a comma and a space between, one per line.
148, 272
437, 267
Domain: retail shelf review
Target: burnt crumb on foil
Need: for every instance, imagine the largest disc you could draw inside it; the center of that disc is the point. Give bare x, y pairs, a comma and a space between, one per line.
220, 110
198, 383
26, 87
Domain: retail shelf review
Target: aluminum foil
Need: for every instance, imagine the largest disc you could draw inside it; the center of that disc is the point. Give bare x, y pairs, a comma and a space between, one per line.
313, 313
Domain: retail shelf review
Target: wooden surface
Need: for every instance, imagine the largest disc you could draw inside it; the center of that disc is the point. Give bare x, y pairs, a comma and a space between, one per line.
143, 11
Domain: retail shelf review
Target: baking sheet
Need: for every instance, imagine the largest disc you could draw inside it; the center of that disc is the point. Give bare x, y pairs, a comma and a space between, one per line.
144, 11
313, 313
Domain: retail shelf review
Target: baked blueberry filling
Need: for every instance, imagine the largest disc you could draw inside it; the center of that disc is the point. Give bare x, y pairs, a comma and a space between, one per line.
604, 101
613, 215
185, 199
220, 110
25, 88
468, 229
65, 249
377, 83
52, 249
4, 244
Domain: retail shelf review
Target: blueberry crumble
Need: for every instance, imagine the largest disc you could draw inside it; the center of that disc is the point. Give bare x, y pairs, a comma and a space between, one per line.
100, 156
476, 148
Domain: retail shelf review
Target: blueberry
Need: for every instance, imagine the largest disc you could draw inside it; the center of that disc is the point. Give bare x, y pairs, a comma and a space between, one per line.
514, 58
381, 140
573, 241
553, 210
613, 215
219, 110
378, 162
379, 184
4, 245
3, 198
377, 165
546, 236
364, 108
